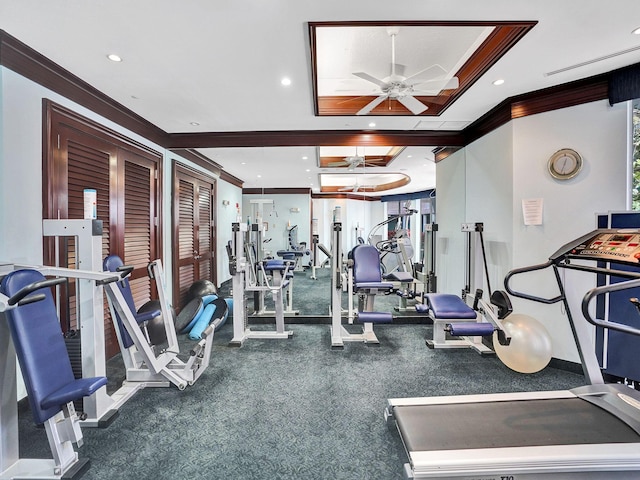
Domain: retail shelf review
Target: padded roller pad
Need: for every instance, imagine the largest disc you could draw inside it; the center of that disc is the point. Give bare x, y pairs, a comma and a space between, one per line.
402, 277
275, 264
375, 317
372, 285
446, 305
470, 329
290, 254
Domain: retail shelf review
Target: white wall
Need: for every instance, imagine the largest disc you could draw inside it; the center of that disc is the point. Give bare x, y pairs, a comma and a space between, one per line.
599, 133
488, 180
226, 215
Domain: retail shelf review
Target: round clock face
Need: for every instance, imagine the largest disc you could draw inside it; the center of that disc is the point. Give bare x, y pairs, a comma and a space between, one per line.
565, 164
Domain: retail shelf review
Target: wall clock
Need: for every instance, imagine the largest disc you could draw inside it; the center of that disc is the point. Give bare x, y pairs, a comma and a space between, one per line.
565, 164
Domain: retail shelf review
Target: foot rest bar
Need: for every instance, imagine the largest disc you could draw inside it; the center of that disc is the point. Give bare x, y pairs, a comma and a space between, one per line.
374, 317
468, 329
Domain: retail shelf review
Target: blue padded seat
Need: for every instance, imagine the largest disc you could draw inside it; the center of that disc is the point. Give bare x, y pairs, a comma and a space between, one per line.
111, 264
449, 306
366, 269
41, 350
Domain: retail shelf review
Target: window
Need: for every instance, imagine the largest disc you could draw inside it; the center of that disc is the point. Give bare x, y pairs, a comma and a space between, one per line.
635, 182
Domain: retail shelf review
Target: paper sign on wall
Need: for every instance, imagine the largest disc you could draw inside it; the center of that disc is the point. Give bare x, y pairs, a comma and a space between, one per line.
532, 211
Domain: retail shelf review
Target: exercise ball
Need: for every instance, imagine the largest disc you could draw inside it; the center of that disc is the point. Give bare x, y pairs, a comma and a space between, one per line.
530, 349
155, 326
199, 289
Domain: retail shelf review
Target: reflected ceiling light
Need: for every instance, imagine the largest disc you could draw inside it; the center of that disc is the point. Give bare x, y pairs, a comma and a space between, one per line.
499, 81
195, 124
372, 124
114, 58
636, 31
286, 81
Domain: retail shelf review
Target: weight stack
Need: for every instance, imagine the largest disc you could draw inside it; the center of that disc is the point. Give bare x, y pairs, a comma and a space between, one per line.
74, 349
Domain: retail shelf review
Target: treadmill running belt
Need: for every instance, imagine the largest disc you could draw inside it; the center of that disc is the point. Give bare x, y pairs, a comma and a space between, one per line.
508, 424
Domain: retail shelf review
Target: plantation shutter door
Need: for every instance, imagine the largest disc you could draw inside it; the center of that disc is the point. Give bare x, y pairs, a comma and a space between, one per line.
186, 242
140, 220
194, 246
204, 232
90, 163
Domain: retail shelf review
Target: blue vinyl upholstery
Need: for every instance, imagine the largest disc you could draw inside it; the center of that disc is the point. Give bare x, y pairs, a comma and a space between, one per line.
41, 350
112, 263
449, 306
366, 268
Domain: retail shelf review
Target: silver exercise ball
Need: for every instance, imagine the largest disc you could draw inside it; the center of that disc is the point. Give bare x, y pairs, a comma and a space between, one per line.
530, 349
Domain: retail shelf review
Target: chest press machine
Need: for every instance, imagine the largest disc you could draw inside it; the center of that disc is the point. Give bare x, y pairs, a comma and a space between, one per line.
30, 331
590, 432
268, 276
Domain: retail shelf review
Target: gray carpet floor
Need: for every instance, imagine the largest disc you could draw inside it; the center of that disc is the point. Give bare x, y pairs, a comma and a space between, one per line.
285, 409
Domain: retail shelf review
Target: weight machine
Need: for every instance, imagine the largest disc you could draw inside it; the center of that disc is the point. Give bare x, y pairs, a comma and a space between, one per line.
267, 276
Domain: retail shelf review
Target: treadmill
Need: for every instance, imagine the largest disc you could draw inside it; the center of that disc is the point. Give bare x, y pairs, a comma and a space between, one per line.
590, 432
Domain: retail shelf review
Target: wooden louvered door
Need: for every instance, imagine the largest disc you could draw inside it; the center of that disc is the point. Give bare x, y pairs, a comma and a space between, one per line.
81, 154
194, 245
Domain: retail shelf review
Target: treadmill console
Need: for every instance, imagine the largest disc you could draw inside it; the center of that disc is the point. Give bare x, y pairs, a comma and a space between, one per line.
618, 246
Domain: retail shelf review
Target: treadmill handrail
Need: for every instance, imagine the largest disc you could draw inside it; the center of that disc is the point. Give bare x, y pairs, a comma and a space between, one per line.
614, 287
526, 296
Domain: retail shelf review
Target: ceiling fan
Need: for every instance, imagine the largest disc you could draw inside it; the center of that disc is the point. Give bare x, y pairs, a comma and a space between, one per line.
398, 87
353, 161
357, 187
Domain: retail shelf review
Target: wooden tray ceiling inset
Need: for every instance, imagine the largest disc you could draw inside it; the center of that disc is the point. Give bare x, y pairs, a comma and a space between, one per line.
465, 49
338, 157
361, 182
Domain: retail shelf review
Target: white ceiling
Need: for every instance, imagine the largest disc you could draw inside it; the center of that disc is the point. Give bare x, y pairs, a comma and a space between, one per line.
219, 64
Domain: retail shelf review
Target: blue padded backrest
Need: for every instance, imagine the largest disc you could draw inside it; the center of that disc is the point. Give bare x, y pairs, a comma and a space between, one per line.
111, 264
39, 342
366, 264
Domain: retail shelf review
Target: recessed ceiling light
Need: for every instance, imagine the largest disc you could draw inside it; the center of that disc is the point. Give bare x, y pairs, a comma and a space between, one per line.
195, 124
372, 124
259, 176
286, 81
636, 31
114, 58
308, 170
499, 81
305, 158
409, 156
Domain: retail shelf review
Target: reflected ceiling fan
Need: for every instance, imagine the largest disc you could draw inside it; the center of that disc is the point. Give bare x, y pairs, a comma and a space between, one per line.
398, 87
356, 187
353, 161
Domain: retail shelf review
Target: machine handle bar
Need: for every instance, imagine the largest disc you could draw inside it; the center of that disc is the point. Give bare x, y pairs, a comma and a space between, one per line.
614, 287
526, 296
26, 290
124, 270
105, 281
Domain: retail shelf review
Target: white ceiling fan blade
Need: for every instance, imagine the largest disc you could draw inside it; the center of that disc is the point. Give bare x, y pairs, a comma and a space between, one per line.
437, 70
370, 106
437, 85
413, 104
369, 78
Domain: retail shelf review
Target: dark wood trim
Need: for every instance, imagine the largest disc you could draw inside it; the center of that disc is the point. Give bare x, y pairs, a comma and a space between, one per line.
505, 35
276, 191
25, 61
322, 138
199, 159
347, 196
227, 177
441, 153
